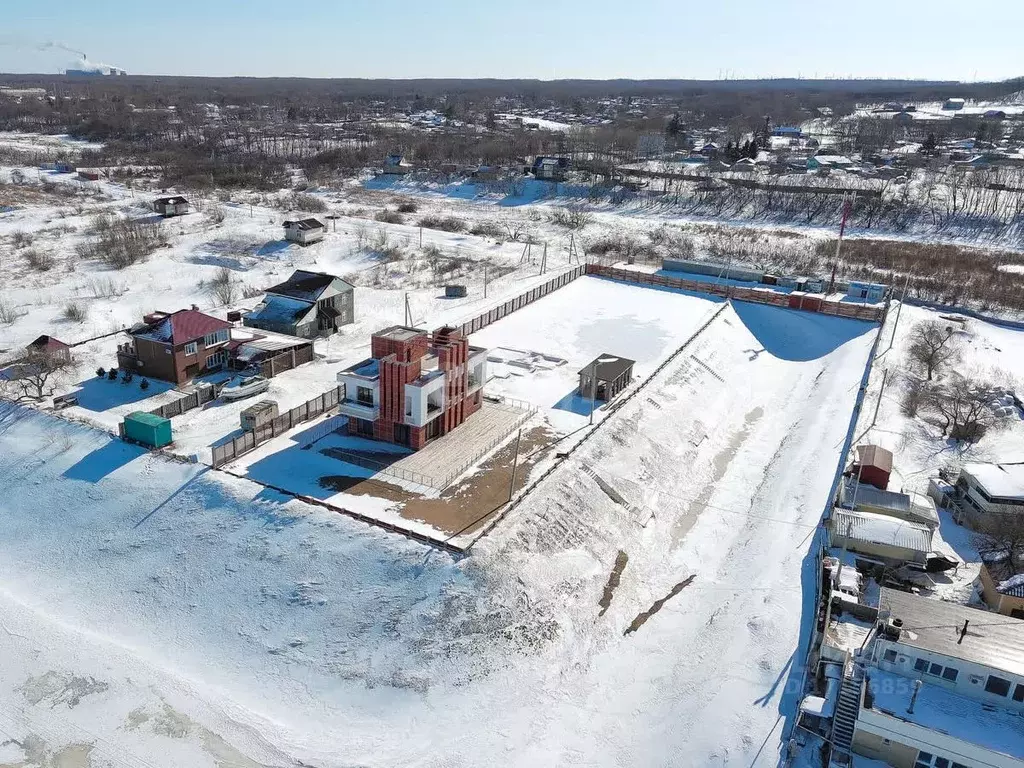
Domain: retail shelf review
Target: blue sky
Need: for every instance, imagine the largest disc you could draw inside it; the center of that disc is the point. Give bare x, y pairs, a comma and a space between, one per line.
544, 39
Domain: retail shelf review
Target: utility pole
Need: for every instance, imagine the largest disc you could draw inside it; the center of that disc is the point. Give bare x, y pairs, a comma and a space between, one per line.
847, 207
515, 464
421, 238
899, 309
885, 378
544, 259
485, 280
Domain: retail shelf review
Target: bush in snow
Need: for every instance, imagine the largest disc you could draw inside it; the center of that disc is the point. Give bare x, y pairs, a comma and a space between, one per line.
407, 206
444, 223
223, 286
8, 314
389, 217
121, 243
74, 312
39, 261
307, 202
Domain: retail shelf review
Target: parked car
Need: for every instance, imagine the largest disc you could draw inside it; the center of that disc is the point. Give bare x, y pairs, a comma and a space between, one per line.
244, 386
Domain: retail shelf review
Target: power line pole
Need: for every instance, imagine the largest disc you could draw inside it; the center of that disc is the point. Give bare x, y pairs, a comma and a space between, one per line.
896, 322
847, 207
485, 280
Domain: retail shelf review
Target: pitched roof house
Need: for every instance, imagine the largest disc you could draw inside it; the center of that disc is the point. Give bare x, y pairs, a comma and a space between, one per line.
304, 231
175, 205
176, 346
49, 347
306, 305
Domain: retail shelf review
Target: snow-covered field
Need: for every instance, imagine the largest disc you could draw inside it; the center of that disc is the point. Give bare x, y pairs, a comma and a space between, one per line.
169, 615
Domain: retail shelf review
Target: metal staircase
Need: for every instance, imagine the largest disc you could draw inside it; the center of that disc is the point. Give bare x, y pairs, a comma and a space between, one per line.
847, 707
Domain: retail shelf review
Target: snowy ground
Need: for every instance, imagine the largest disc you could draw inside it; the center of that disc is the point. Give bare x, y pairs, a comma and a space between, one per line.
283, 632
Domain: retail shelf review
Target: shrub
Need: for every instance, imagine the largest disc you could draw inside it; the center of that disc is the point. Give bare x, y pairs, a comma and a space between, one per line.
223, 286
121, 243
216, 214
390, 217
408, 206
112, 374
101, 372
306, 202
74, 312
21, 239
8, 314
251, 292
144, 384
488, 229
444, 223
572, 216
39, 261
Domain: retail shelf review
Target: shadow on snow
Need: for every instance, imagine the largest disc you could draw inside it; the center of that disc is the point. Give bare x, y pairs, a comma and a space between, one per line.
793, 334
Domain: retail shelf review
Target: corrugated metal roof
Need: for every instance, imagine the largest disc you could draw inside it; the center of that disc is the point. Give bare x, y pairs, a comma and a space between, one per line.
864, 495
881, 529
183, 326
992, 639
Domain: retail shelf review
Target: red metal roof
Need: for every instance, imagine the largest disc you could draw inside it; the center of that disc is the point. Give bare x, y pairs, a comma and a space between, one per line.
184, 326
49, 343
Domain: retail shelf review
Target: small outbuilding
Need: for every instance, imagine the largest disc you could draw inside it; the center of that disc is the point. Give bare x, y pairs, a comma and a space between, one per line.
873, 465
176, 205
50, 347
605, 377
147, 429
305, 231
259, 414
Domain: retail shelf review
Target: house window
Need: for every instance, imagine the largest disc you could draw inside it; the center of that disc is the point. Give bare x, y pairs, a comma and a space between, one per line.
215, 338
364, 395
890, 656
1018, 692
997, 685
921, 665
191, 348
949, 673
936, 670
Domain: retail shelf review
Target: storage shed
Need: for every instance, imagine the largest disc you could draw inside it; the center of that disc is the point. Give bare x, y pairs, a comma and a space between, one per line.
872, 465
147, 429
612, 374
889, 539
176, 205
259, 414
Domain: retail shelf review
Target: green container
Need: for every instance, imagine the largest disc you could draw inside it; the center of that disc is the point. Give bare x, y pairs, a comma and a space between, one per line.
145, 428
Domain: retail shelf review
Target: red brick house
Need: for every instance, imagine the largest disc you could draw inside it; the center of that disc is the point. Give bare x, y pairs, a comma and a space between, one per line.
176, 346
416, 386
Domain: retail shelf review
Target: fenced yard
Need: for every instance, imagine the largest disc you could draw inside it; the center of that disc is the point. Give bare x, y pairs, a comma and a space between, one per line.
248, 441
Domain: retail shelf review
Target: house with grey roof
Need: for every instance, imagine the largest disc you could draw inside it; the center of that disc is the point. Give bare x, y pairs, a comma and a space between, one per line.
304, 231
307, 304
938, 685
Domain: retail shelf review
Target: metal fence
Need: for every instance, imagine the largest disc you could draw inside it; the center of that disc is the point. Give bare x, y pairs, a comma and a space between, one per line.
811, 303
297, 415
510, 306
201, 395
287, 360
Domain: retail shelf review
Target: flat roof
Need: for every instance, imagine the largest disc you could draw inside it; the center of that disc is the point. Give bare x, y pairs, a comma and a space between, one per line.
992, 640
1005, 481
998, 729
400, 333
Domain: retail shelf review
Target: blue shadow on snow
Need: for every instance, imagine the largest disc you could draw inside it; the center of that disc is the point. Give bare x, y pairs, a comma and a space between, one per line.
793, 334
103, 461
582, 406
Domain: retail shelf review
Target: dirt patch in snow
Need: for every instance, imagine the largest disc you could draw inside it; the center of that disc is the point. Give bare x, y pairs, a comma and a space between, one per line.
466, 505
60, 688
613, 581
642, 618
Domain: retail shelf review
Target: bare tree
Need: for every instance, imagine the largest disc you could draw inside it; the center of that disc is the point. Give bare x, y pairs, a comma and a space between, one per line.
1001, 534
35, 375
932, 346
963, 407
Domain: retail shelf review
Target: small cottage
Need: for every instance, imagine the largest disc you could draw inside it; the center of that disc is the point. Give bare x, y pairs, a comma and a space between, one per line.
175, 205
304, 231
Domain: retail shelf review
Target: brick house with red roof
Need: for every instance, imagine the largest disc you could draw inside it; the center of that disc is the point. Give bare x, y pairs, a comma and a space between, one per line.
176, 346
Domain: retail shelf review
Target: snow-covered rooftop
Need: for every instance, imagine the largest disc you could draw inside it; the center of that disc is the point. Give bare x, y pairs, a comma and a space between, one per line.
934, 625
938, 709
881, 529
1005, 481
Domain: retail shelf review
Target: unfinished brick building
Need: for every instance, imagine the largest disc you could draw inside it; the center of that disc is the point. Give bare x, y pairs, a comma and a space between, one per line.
415, 387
